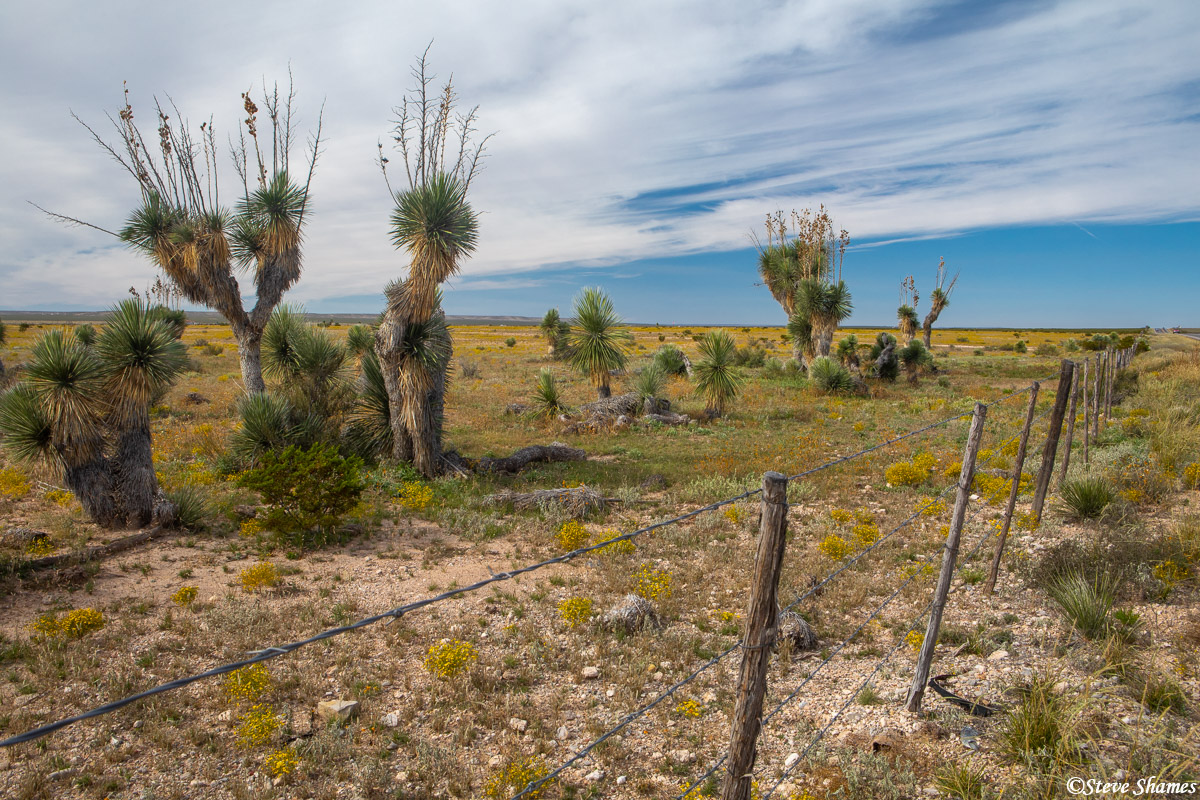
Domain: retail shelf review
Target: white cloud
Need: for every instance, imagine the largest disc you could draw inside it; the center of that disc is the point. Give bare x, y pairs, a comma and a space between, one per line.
1075, 111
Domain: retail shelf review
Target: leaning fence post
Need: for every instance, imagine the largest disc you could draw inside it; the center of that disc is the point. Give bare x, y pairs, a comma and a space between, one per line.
761, 629
1056, 419
966, 476
1018, 463
1066, 463
1087, 410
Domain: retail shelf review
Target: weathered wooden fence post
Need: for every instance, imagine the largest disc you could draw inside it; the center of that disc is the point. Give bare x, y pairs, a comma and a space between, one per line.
1087, 411
949, 557
1066, 463
1018, 463
761, 630
1052, 435
1110, 378
1096, 399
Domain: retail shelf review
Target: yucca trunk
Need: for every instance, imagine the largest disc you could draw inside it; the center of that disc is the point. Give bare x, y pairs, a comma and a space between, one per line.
426, 409
823, 330
249, 345
927, 328
91, 482
136, 485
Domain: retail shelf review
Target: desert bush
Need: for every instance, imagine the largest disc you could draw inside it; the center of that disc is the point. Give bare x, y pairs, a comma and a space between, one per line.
749, 356
670, 360
575, 611
468, 370
185, 595
515, 776
510, 342
450, 657
830, 377
1046, 349
1086, 498
71, 625
1085, 600
256, 577
307, 492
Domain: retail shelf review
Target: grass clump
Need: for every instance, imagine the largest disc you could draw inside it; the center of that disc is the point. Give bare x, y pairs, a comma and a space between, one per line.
450, 657
1085, 600
961, 781
1040, 732
1086, 498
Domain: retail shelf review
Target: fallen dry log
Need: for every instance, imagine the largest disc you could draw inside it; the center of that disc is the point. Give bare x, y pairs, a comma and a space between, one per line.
577, 501
99, 551
529, 455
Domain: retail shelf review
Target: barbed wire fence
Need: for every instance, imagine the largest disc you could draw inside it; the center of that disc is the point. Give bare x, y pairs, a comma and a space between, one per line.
918, 568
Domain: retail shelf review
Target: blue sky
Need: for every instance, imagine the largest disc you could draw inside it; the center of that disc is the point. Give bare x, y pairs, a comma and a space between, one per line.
1045, 149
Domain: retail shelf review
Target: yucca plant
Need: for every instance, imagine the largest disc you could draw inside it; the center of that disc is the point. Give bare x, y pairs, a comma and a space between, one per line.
86, 334
598, 342
547, 400
435, 225
802, 269
180, 226
360, 339
267, 424
717, 380
369, 432
825, 304
648, 384
556, 332
906, 315
883, 357
915, 358
847, 351
938, 300
1085, 498
829, 376
671, 360
86, 410
308, 365
1085, 600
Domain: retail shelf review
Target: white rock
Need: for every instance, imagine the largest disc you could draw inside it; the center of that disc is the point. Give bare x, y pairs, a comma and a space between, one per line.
518, 725
591, 673
610, 692
621, 780
562, 733
391, 719
593, 776
999, 655
790, 760
341, 710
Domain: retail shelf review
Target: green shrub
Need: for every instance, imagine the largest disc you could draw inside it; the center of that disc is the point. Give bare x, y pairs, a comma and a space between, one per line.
1046, 349
1020, 346
1086, 498
1085, 600
510, 342
307, 491
670, 359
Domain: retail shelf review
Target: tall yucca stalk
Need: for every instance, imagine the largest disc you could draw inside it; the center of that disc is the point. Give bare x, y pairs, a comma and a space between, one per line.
598, 343
906, 315
435, 225
938, 300
182, 228
803, 271
86, 410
